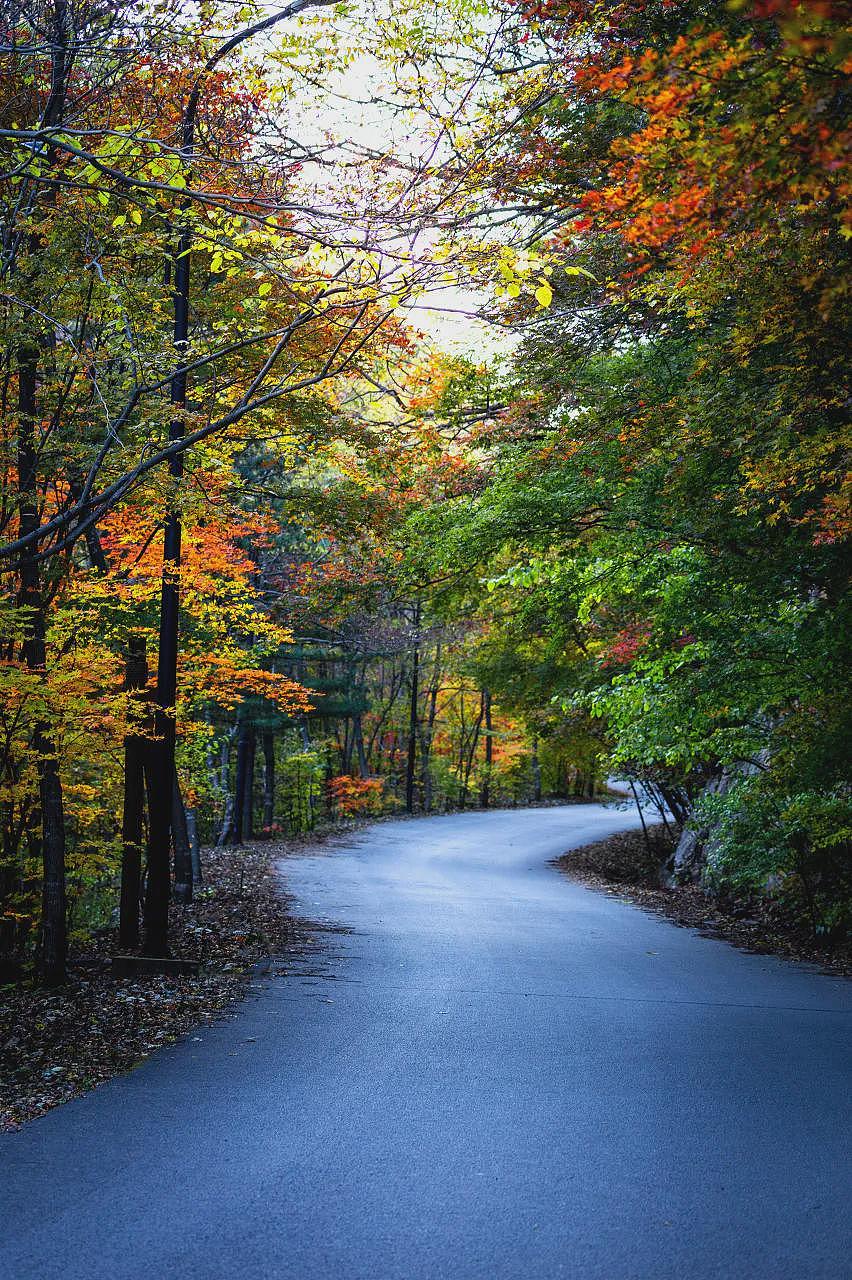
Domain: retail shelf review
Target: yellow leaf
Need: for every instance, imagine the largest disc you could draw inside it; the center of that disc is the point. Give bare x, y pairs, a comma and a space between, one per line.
544, 295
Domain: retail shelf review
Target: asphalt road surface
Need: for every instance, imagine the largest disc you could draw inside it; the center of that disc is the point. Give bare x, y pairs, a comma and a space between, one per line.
494, 1074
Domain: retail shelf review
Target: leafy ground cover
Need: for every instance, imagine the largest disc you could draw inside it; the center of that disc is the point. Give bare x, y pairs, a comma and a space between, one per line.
627, 867
57, 1044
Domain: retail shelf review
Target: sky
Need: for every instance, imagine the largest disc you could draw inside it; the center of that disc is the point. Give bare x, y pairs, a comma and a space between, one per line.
350, 110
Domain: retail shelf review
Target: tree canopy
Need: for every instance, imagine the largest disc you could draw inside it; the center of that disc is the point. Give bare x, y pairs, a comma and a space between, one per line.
260, 508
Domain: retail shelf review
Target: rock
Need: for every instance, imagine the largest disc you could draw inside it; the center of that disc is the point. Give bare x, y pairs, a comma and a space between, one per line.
695, 847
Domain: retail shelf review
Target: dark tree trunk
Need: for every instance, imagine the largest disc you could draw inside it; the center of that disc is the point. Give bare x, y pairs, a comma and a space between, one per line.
346, 747
94, 546
136, 677
268, 780
158, 883
182, 890
161, 754
358, 736
53, 943
244, 785
468, 761
428, 732
248, 792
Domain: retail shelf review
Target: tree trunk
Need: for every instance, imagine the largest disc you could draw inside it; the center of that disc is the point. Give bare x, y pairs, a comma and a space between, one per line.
53, 944
244, 785
268, 780
182, 890
136, 676
161, 754
226, 831
346, 747
485, 794
158, 795
428, 732
471, 752
54, 941
94, 546
194, 847
358, 735
536, 770
411, 760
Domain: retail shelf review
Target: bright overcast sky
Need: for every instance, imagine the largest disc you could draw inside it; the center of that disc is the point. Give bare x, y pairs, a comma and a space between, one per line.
349, 113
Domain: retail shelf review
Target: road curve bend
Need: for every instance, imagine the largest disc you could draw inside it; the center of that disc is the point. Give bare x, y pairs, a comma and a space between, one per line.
489, 1074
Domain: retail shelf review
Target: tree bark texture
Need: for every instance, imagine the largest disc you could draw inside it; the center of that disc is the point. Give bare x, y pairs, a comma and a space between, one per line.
132, 827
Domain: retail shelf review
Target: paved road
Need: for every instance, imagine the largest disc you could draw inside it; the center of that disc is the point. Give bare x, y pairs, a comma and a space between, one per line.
496, 1074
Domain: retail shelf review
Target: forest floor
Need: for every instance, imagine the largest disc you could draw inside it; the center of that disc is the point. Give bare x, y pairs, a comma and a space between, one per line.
624, 867
58, 1044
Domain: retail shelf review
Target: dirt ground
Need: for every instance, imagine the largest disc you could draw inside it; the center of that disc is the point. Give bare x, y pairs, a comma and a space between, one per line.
625, 867
57, 1044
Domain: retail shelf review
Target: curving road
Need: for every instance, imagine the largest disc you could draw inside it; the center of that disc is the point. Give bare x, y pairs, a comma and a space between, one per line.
495, 1074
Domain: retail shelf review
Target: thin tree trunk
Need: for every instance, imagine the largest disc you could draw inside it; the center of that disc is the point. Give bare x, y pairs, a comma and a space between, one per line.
428, 732
411, 761
226, 830
346, 748
136, 677
474, 740
182, 890
462, 744
536, 770
248, 793
641, 819
485, 794
94, 546
358, 736
194, 847
54, 940
53, 944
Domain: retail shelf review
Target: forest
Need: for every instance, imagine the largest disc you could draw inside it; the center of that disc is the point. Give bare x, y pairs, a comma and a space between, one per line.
415, 407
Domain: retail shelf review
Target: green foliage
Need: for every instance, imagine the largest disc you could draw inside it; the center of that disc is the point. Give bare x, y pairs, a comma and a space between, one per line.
794, 845
301, 787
